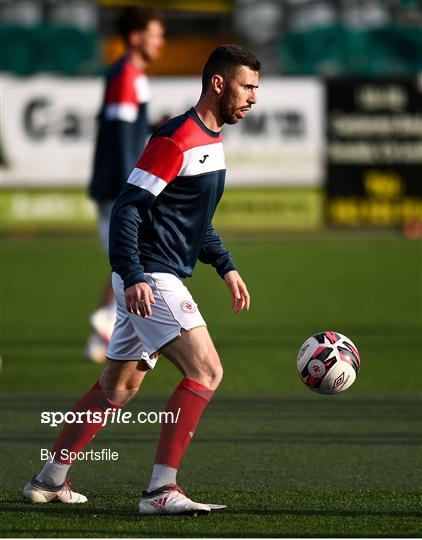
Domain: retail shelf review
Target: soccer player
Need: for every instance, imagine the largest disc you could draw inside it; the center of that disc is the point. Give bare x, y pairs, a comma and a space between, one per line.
160, 227
122, 134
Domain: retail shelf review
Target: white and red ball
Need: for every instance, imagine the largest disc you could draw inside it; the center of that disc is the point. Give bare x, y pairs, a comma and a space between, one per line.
328, 363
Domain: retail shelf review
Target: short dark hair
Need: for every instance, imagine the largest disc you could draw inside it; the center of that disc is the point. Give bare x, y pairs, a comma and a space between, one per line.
136, 19
225, 59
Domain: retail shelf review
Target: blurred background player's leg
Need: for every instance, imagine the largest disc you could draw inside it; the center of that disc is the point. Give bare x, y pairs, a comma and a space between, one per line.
102, 320
123, 128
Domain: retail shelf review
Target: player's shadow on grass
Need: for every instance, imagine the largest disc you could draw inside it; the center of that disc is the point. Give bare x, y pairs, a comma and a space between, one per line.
320, 439
325, 513
17, 506
21, 506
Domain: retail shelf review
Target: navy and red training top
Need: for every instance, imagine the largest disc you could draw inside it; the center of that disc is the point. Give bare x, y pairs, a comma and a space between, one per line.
161, 221
122, 131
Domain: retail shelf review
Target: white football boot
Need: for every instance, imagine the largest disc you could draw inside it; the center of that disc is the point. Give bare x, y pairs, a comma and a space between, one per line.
170, 499
38, 492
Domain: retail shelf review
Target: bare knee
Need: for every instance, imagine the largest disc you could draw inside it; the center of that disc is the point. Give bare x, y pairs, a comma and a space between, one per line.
120, 383
208, 371
118, 392
119, 396
216, 376
195, 356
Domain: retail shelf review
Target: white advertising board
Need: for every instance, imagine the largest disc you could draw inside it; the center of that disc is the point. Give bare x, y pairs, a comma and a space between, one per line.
48, 130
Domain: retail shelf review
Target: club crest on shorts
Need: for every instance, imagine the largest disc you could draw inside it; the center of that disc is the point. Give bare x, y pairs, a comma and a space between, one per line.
188, 306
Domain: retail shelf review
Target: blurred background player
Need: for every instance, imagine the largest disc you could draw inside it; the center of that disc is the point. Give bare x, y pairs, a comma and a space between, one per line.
122, 134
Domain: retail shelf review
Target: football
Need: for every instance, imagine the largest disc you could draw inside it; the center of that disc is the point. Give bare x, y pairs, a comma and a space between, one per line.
328, 363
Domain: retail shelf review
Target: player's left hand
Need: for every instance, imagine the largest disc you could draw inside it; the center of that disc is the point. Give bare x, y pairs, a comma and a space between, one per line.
240, 296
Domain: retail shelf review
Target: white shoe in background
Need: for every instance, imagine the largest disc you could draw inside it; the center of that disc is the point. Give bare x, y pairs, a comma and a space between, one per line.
38, 492
103, 321
96, 349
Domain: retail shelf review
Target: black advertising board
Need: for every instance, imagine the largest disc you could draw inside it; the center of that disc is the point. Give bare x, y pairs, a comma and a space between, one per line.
374, 152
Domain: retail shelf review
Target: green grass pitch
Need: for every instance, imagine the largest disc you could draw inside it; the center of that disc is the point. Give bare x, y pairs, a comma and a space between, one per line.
286, 462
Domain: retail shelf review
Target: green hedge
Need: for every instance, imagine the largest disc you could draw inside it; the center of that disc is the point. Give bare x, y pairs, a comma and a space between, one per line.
337, 50
46, 48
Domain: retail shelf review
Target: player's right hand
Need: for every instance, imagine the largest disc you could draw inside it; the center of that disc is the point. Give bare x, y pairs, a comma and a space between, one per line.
139, 299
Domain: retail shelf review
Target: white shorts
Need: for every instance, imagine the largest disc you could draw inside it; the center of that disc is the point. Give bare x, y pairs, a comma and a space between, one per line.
136, 338
104, 214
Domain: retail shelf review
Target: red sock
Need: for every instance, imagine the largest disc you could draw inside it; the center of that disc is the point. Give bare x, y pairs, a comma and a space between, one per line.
75, 437
187, 404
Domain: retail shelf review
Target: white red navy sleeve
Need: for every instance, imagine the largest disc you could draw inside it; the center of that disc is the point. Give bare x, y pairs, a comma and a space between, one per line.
122, 130
121, 102
121, 112
158, 166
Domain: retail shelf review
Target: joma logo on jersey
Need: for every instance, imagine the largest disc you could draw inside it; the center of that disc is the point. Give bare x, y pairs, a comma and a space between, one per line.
204, 158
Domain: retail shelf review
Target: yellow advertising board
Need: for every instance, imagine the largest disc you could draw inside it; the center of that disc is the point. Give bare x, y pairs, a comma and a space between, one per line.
241, 209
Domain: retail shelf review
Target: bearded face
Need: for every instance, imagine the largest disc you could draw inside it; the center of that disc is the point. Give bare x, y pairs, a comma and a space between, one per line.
239, 94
